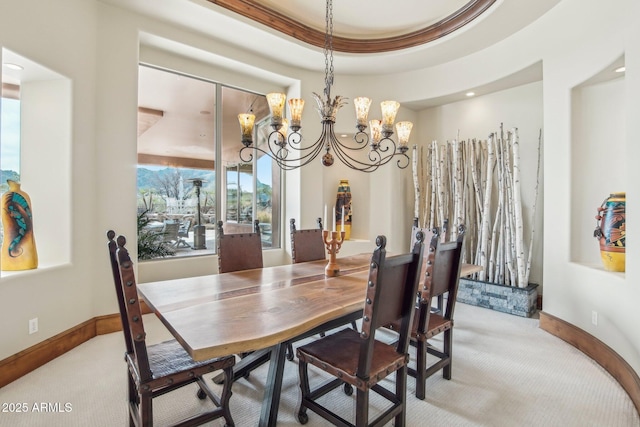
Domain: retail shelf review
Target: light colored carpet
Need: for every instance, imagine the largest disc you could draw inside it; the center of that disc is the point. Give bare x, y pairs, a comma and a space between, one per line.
507, 372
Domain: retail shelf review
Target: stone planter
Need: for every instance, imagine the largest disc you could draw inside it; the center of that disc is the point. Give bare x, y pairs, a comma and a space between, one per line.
508, 299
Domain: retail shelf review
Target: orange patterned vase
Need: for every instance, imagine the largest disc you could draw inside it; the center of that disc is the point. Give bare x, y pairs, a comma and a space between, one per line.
18, 243
611, 232
343, 204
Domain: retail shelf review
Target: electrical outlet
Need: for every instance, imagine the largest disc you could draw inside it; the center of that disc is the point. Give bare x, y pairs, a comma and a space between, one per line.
594, 318
33, 326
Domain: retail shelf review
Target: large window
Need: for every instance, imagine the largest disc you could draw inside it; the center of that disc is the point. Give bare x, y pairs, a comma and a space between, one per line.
188, 138
9, 134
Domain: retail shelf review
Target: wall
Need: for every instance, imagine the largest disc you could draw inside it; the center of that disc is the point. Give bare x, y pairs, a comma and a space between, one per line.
60, 36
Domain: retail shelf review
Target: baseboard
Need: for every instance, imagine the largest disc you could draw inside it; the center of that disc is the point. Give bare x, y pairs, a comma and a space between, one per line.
14, 367
30, 359
604, 355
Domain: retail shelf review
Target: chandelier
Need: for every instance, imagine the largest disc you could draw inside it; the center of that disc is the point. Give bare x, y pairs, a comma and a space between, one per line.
286, 138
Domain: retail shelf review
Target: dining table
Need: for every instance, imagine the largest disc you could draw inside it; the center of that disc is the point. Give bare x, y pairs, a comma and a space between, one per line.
259, 312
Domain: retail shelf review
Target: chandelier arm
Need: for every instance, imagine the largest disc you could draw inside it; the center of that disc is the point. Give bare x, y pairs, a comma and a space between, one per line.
276, 139
385, 144
406, 160
283, 163
341, 153
250, 158
361, 138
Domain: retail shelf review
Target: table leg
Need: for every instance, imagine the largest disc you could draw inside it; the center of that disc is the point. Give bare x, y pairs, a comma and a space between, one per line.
273, 387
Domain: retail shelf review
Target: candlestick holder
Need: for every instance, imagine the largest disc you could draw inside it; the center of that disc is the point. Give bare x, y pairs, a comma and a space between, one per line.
333, 247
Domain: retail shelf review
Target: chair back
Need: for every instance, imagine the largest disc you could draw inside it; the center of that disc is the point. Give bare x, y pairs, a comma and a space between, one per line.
442, 276
130, 311
390, 297
307, 245
184, 228
241, 251
170, 231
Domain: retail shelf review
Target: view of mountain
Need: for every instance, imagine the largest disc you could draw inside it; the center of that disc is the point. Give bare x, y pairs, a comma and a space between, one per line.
149, 179
8, 174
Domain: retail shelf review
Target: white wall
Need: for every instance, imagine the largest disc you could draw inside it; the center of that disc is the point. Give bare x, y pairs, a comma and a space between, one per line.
97, 47
61, 37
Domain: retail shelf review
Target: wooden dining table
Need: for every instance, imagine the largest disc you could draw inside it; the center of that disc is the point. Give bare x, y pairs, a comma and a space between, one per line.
259, 312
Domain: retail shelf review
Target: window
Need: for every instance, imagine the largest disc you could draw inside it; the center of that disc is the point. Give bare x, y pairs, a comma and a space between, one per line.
185, 143
10, 134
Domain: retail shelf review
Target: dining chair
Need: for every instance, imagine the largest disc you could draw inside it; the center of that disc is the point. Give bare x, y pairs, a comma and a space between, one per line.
154, 370
307, 245
238, 251
170, 232
183, 232
357, 359
444, 260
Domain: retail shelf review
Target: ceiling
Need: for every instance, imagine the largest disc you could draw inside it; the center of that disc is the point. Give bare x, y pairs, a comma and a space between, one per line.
435, 31
355, 19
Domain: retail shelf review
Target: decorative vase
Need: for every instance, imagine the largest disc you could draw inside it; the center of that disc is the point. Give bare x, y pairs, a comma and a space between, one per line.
18, 243
343, 205
611, 232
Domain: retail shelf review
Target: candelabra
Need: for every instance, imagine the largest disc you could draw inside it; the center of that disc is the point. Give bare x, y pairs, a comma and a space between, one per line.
333, 247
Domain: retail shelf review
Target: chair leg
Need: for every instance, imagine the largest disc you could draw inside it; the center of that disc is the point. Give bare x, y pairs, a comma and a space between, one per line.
421, 368
362, 408
447, 348
302, 416
134, 402
290, 352
145, 410
401, 395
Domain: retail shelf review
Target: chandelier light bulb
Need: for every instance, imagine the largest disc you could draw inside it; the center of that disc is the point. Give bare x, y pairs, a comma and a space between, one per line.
246, 127
404, 130
362, 105
276, 106
296, 105
389, 111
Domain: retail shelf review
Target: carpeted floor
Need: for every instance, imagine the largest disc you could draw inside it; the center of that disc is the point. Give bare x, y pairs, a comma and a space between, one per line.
507, 372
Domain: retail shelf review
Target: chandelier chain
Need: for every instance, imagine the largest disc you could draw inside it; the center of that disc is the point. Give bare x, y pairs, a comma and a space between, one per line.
328, 49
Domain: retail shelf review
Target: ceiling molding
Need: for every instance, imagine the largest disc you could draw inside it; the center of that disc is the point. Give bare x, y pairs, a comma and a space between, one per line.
272, 19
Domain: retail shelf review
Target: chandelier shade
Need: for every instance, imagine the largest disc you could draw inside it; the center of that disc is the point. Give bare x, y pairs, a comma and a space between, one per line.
281, 143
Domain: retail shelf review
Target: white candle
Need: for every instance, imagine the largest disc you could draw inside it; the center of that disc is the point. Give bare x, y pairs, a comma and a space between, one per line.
334, 218
342, 227
324, 225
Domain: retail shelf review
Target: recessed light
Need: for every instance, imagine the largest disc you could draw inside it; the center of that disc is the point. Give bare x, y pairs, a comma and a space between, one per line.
620, 69
344, 135
12, 66
470, 94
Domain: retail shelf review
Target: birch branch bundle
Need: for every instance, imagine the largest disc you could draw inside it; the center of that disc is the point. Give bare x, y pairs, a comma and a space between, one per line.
478, 183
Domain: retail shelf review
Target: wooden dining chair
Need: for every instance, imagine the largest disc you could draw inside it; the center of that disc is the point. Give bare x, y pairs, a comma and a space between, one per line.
154, 370
444, 260
307, 245
357, 359
239, 251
